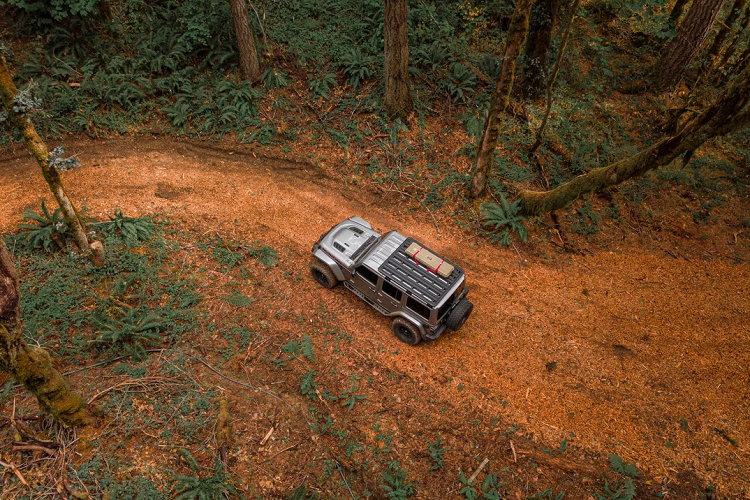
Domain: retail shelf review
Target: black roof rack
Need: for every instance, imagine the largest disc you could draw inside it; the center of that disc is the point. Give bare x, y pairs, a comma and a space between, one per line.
416, 279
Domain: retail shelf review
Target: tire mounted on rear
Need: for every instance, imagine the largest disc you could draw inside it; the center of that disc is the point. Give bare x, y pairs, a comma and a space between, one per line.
459, 314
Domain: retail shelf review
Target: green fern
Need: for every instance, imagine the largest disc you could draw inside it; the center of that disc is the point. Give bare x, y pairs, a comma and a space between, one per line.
618, 465
320, 86
355, 66
43, 230
133, 229
212, 487
504, 219
490, 66
624, 491
395, 483
121, 326
275, 79
307, 348
433, 56
265, 255
307, 384
237, 300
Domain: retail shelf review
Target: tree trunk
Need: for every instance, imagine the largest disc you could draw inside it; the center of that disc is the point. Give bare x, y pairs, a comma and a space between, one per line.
249, 65
519, 27
726, 27
683, 48
676, 13
553, 76
727, 114
94, 250
32, 367
530, 82
398, 102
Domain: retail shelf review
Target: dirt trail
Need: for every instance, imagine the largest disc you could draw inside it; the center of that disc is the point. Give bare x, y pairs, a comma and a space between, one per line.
626, 352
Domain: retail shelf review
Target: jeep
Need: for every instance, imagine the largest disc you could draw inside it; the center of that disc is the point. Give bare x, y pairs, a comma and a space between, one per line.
398, 276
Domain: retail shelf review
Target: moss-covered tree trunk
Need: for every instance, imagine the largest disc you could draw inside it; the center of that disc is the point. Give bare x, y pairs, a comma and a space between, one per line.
519, 27
683, 48
397, 100
531, 81
30, 366
249, 65
94, 250
727, 114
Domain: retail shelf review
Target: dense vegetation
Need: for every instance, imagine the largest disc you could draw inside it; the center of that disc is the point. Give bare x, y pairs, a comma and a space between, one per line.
133, 67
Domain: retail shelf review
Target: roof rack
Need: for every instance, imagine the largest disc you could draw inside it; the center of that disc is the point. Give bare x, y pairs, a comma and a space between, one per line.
416, 279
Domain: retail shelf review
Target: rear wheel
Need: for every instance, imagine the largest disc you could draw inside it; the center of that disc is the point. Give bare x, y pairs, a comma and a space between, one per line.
323, 274
406, 331
459, 314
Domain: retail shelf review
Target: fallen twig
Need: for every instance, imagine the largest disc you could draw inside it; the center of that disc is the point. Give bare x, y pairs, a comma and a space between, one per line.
513, 449
16, 472
479, 469
237, 381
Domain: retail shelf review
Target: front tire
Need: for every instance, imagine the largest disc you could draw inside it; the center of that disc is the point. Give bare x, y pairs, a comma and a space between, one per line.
406, 331
459, 314
323, 274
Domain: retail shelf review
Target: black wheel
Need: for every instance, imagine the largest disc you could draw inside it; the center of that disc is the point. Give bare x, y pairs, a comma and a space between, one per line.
406, 331
323, 274
459, 314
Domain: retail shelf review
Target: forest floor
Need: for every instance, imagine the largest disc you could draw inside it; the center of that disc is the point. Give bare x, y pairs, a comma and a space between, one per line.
634, 342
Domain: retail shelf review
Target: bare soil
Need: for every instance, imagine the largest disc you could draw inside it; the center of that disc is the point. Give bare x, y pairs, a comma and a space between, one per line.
634, 342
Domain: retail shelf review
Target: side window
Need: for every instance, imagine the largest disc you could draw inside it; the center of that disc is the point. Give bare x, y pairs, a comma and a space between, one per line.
418, 308
367, 274
392, 291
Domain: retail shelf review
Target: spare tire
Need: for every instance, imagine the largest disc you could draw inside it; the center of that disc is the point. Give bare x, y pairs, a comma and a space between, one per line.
459, 314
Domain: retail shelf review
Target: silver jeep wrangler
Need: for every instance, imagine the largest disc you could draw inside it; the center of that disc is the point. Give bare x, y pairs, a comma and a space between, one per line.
379, 270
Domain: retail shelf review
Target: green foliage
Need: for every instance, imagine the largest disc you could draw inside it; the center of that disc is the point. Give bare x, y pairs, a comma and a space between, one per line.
355, 66
624, 491
124, 327
265, 255
436, 451
307, 348
504, 219
56, 10
43, 230
237, 299
433, 56
209, 487
467, 491
133, 229
303, 493
462, 81
320, 86
395, 484
307, 385
132, 290
617, 465
273, 78
349, 398
490, 66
